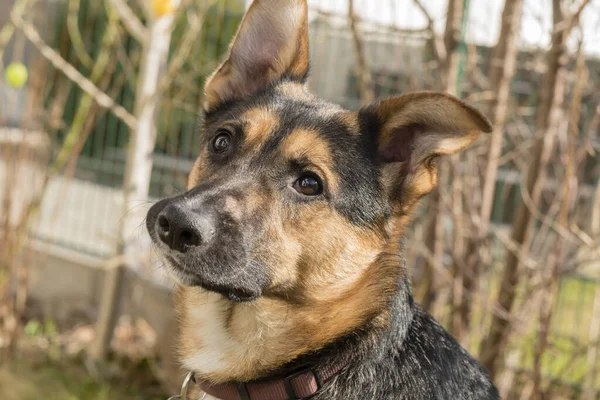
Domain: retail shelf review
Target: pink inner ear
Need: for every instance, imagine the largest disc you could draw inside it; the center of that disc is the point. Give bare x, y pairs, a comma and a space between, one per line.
401, 146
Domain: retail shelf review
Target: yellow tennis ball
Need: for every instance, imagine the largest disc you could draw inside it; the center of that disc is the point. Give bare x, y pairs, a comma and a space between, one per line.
162, 7
16, 75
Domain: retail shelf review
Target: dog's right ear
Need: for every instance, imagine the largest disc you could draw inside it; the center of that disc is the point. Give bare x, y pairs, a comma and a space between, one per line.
272, 42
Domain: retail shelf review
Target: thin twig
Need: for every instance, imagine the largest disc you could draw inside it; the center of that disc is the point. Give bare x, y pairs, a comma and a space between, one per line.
71, 72
132, 23
439, 49
365, 81
75, 34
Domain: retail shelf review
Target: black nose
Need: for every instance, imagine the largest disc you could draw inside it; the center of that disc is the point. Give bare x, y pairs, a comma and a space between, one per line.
179, 228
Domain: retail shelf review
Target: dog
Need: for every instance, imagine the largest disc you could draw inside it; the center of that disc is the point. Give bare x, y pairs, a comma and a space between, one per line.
287, 246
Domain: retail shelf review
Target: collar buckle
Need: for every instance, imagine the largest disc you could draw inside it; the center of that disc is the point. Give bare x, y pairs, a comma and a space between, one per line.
289, 388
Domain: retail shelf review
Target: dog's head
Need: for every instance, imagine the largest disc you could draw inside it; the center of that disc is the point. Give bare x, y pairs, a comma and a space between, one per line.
291, 197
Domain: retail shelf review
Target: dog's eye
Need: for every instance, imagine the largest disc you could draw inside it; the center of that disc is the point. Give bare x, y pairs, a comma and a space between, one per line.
308, 185
222, 141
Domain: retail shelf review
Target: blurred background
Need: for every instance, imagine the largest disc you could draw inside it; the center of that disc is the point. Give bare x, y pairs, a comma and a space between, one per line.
99, 105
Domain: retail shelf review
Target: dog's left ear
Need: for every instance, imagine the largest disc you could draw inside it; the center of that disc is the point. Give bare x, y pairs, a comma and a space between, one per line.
411, 132
272, 42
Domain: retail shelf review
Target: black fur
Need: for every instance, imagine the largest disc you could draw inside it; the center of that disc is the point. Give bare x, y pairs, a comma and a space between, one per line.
361, 199
415, 358
411, 358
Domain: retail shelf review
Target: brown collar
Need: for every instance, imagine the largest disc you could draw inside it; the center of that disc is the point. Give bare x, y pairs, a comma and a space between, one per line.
300, 385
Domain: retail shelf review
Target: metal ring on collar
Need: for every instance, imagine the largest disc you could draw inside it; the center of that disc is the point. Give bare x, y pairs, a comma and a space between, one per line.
184, 388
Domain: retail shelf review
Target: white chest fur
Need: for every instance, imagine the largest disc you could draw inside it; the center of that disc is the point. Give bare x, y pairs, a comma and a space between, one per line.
224, 340
208, 329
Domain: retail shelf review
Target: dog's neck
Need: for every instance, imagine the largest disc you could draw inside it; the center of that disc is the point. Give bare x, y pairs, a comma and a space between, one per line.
223, 341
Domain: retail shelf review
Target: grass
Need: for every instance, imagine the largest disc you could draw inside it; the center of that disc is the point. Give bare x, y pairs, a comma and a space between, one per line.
53, 365
566, 359
67, 381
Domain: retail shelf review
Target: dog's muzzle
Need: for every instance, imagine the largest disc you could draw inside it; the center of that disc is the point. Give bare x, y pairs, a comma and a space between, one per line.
206, 246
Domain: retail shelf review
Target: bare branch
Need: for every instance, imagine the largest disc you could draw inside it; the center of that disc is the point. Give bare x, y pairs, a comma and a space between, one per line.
365, 82
505, 52
380, 26
99, 70
132, 23
573, 19
595, 220
590, 391
549, 113
75, 34
183, 51
61, 64
552, 275
564, 24
439, 49
8, 30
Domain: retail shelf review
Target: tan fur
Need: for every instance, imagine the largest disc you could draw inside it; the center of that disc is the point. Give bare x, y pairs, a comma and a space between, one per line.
329, 111
198, 170
448, 126
350, 120
258, 123
271, 331
294, 90
452, 125
233, 208
309, 144
322, 283
321, 286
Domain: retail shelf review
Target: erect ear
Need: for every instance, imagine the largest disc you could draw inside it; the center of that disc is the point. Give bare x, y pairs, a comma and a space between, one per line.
272, 42
412, 131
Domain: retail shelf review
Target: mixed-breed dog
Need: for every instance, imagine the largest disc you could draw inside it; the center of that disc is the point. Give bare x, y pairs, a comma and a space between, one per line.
287, 247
